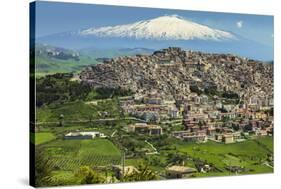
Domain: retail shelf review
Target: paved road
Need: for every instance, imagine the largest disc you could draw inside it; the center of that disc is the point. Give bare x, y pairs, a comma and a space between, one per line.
112, 135
151, 145
93, 120
267, 164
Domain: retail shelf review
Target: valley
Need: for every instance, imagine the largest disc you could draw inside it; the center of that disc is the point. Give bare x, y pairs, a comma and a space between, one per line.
169, 114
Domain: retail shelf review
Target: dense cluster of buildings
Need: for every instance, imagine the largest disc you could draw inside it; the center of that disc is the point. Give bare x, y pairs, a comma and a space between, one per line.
203, 117
219, 97
151, 107
174, 71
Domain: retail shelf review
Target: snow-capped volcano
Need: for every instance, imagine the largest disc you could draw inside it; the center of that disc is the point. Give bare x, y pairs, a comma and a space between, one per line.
158, 33
161, 28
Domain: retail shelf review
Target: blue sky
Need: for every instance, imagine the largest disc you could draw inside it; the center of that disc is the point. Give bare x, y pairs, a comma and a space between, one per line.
52, 17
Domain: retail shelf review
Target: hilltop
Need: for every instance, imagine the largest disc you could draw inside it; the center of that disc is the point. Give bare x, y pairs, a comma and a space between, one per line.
173, 72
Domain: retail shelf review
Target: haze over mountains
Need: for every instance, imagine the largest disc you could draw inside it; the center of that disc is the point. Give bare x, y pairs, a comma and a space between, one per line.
161, 32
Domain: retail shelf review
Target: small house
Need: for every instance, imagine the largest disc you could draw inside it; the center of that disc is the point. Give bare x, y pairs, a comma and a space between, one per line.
179, 171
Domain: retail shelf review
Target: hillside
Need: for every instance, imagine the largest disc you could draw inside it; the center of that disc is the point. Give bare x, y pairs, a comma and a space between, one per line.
51, 59
173, 72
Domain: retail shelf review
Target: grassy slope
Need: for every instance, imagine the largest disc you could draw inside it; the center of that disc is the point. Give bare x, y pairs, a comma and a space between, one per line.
267, 141
71, 111
246, 154
43, 137
249, 154
46, 65
76, 111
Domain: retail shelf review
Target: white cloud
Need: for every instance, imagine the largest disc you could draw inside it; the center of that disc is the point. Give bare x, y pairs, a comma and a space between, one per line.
239, 24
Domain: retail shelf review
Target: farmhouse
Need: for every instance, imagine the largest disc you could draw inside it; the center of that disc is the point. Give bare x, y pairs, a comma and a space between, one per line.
188, 136
195, 138
143, 128
179, 171
83, 135
180, 134
211, 131
227, 138
218, 137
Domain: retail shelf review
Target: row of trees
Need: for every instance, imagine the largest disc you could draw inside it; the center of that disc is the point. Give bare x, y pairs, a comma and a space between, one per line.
60, 88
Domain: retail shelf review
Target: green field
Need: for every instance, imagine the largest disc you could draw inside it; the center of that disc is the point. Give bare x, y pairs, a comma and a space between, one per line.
267, 141
46, 65
43, 137
78, 110
67, 156
71, 111
249, 154
71, 154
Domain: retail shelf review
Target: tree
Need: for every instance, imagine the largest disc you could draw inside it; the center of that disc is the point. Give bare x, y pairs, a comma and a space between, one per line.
235, 127
195, 89
43, 168
61, 120
177, 158
248, 127
230, 95
89, 176
143, 173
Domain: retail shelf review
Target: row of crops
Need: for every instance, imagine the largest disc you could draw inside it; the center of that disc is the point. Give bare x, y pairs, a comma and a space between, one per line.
70, 163
72, 154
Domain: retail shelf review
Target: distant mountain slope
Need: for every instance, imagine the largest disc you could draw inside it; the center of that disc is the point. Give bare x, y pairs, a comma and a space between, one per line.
114, 52
51, 59
161, 32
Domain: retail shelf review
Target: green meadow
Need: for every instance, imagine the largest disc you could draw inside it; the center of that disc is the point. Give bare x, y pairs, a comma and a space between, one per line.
43, 137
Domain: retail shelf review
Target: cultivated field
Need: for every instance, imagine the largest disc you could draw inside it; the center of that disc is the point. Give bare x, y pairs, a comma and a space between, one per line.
71, 154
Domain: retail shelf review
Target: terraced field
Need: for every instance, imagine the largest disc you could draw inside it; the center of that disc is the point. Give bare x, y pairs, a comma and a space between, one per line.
72, 154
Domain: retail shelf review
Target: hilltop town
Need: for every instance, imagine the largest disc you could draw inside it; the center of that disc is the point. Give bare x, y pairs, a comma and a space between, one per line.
173, 72
218, 97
